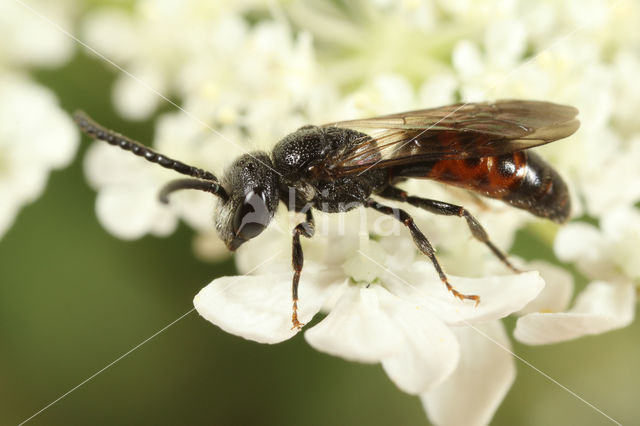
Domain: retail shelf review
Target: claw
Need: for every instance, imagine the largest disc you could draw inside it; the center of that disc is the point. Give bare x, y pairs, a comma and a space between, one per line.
296, 324
462, 296
294, 317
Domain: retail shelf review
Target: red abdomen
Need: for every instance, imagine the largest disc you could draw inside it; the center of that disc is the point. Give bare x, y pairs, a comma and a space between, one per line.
522, 179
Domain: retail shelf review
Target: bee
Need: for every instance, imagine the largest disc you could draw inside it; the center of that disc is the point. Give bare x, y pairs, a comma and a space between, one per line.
336, 167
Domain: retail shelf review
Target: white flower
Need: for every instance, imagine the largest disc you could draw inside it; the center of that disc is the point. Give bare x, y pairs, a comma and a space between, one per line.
254, 85
504, 45
385, 304
257, 82
127, 202
28, 40
36, 136
201, 51
385, 93
152, 43
607, 257
479, 383
365, 39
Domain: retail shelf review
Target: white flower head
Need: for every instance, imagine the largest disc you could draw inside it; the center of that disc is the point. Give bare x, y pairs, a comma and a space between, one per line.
127, 203
28, 40
384, 302
153, 43
257, 81
36, 136
244, 94
608, 258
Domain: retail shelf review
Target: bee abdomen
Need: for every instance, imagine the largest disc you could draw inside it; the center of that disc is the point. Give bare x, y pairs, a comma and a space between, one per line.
541, 191
522, 179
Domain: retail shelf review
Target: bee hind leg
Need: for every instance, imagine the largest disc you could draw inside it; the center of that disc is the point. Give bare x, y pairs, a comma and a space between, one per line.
446, 209
423, 244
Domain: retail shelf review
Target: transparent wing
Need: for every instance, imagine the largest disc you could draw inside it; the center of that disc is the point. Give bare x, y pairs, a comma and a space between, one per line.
454, 132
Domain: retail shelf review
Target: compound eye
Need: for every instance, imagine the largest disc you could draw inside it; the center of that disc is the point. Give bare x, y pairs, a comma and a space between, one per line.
252, 216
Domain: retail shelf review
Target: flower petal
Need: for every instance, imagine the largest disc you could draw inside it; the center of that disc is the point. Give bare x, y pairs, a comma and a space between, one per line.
557, 291
370, 324
601, 307
583, 244
484, 374
429, 353
132, 97
622, 228
577, 240
357, 328
499, 295
259, 307
131, 212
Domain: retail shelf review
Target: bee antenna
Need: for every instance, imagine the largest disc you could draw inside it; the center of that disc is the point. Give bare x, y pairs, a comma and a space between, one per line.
95, 130
202, 185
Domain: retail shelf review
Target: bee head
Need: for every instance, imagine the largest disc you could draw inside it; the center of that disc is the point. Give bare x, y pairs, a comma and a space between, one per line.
252, 186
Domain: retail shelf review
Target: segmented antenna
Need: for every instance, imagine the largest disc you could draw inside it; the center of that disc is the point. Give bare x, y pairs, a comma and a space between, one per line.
93, 129
200, 185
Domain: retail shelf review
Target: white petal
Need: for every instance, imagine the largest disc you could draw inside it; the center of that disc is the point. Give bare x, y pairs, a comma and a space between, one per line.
357, 328
195, 208
622, 228
584, 244
62, 138
467, 59
394, 90
576, 240
130, 212
429, 354
137, 99
35, 136
505, 42
365, 265
485, 372
26, 41
208, 247
499, 295
259, 307
8, 213
438, 90
112, 32
601, 307
106, 165
557, 291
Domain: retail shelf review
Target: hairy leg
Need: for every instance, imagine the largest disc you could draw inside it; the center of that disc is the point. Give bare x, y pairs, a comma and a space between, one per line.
423, 244
306, 228
446, 209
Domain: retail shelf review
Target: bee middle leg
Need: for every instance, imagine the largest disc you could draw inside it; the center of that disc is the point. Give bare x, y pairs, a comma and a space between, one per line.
423, 244
446, 209
306, 228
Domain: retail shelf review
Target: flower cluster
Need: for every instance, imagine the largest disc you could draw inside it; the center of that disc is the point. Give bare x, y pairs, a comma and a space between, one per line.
247, 75
248, 82
35, 134
385, 304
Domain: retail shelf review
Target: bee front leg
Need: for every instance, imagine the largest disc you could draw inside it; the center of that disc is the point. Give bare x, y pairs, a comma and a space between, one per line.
306, 228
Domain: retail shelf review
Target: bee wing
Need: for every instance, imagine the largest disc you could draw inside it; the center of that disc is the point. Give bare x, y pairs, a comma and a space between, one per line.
458, 131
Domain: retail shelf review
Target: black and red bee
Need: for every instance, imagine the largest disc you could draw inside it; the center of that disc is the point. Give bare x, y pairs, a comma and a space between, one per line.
481, 147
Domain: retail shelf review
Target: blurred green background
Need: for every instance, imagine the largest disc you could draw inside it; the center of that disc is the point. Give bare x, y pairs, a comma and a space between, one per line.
73, 299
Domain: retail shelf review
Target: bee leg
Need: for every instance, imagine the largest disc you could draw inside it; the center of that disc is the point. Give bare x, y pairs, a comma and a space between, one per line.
423, 244
306, 228
442, 208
